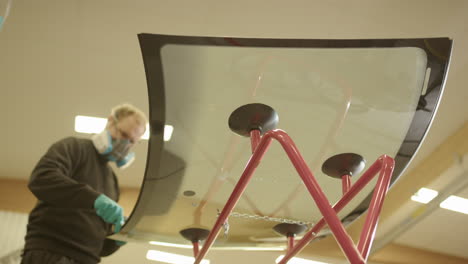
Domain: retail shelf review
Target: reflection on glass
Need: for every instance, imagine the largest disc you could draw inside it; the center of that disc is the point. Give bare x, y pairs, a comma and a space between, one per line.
5, 6
329, 101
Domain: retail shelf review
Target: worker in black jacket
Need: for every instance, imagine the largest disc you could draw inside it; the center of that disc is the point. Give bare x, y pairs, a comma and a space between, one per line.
77, 193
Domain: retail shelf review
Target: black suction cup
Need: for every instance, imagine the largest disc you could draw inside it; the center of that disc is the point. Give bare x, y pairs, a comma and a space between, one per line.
289, 230
195, 234
343, 164
253, 116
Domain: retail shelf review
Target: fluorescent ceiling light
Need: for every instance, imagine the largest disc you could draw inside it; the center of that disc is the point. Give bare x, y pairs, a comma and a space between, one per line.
168, 129
146, 134
89, 124
95, 125
424, 195
455, 203
171, 258
165, 244
282, 248
299, 261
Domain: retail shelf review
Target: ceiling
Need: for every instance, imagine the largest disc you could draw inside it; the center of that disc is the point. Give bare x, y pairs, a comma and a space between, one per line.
432, 232
446, 234
59, 59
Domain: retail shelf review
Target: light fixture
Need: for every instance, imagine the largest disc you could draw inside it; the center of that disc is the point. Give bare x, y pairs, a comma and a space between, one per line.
253, 248
455, 203
89, 124
299, 261
165, 244
424, 195
94, 125
168, 129
166, 257
261, 248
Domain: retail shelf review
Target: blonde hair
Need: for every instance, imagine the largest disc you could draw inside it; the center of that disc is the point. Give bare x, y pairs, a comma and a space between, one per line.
124, 110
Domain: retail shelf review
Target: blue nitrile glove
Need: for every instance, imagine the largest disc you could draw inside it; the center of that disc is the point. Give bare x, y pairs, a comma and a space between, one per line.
120, 243
109, 211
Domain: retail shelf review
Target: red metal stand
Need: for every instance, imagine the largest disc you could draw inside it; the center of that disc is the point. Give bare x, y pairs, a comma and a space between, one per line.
346, 182
355, 255
196, 248
290, 243
255, 138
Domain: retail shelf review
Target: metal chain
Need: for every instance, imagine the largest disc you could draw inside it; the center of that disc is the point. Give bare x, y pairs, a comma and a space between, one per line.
270, 219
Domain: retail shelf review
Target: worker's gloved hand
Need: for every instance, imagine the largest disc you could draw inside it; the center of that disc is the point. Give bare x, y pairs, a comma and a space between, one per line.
120, 243
109, 211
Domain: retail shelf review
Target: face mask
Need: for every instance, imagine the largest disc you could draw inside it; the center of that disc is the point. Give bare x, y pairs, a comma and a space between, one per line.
116, 150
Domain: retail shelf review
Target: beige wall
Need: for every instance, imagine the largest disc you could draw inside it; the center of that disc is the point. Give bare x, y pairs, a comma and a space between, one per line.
16, 197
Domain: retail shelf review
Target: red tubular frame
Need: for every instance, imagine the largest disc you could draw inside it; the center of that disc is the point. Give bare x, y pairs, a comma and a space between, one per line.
255, 138
195, 248
354, 254
346, 182
290, 243
384, 162
378, 197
